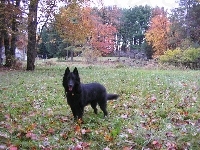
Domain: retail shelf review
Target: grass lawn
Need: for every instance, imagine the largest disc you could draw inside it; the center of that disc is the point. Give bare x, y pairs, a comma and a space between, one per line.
157, 109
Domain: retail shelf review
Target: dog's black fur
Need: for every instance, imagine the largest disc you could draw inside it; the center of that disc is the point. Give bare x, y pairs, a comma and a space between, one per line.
79, 95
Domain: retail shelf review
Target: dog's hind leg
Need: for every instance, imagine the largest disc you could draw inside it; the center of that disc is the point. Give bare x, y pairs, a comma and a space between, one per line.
94, 106
103, 108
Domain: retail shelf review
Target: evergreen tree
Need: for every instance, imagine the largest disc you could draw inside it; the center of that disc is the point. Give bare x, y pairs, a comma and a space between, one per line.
135, 23
50, 42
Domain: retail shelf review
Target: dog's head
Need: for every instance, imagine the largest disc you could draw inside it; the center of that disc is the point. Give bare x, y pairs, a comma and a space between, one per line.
71, 80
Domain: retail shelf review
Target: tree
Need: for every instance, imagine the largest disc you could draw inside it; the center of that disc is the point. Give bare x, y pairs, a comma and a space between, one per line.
74, 24
177, 30
47, 9
184, 29
157, 33
145, 47
194, 23
50, 41
32, 27
103, 39
14, 27
104, 33
134, 23
9, 12
186, 6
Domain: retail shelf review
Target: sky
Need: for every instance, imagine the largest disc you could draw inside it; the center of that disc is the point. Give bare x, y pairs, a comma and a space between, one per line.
168, 4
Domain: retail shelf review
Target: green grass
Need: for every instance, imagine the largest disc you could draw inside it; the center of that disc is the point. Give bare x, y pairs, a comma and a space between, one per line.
157, 109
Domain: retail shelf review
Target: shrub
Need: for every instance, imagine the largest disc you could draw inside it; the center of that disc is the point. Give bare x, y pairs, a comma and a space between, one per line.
91, 55
171, 56
17, 64
189, 57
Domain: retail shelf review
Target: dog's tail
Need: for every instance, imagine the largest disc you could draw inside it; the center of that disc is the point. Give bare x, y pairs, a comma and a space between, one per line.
112, 96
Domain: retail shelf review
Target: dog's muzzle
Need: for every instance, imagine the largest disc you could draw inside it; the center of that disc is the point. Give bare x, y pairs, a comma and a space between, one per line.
70, 87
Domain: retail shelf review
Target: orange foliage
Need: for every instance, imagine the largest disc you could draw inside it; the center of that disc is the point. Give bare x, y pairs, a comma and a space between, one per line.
103, 38
74, 23
158, 31
78, 25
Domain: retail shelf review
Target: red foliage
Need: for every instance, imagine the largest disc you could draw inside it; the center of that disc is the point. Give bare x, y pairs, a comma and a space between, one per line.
103, 38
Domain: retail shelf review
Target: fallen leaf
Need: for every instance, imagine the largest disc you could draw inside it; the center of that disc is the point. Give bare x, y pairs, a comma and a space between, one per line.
51, 131
85, 145
127, 148
31, 136
130, 131
171, 146
108, 138
156, 144
12, 147
77, 128
78, 147
170, 134
153, 98
124, 116
84, 131
107, 148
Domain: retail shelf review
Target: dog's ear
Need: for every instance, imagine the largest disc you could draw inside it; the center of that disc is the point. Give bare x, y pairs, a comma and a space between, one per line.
67, 71
75, 71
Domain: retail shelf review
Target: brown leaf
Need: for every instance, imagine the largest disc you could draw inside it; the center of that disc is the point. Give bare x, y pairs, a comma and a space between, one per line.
77, 128
108, 138
127, 148
51, 131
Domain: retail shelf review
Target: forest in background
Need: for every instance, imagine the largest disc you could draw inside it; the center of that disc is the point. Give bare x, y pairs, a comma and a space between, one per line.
171, 36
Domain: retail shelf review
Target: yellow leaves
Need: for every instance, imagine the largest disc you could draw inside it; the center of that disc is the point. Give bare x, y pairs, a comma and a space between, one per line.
31, 127
74, 23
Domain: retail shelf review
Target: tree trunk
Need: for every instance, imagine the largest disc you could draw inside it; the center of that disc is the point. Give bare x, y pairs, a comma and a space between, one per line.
14, 30
5, 35
1, 49
8, 54
1, 32
72, 55
32, 27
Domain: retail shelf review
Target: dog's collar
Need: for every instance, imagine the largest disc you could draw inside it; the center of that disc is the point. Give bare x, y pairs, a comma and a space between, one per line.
71, 93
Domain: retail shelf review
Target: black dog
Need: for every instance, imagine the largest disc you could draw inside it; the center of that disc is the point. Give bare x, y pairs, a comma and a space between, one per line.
79, 95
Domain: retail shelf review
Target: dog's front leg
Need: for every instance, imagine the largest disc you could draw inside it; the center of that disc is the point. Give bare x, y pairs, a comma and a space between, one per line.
80, 111
75, 114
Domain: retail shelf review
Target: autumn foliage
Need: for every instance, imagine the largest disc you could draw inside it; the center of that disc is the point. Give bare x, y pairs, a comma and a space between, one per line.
73, 23
81, 26
158, 31
103, 37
